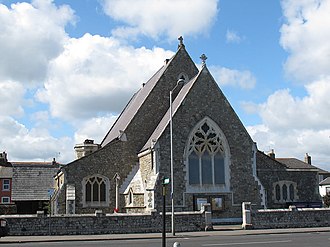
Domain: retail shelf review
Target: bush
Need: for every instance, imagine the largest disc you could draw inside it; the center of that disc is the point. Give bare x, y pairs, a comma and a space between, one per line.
326, 200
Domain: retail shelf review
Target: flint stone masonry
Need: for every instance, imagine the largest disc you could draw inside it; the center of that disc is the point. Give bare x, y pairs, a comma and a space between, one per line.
215, 106
100, 223
290, 218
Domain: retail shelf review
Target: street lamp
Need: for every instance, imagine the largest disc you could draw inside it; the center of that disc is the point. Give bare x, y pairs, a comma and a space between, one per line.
179, 82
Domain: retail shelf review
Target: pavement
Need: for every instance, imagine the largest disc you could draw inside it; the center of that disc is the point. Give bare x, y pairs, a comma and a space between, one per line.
229, 230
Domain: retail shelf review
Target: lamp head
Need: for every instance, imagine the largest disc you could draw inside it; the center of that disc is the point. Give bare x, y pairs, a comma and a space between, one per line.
180, 82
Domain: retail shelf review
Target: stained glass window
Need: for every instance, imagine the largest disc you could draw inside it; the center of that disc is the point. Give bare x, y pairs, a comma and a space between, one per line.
206, 163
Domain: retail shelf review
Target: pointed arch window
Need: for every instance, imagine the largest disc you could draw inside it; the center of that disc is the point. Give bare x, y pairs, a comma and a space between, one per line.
130, 197
95, 191
206, 156
285, 191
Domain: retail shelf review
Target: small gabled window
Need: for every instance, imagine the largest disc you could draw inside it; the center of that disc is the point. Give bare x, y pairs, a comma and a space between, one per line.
130, 197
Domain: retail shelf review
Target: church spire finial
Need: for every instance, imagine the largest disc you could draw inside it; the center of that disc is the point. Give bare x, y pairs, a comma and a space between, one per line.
203, 57
180, 42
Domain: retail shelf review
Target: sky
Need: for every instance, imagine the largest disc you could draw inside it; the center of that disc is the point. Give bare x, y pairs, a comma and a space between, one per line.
68, 67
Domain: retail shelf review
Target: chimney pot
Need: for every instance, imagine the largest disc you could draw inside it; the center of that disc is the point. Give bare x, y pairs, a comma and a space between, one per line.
308, 159
272, 154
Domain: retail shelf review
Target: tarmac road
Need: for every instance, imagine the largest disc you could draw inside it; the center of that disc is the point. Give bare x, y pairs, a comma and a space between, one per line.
268, 240
223, 237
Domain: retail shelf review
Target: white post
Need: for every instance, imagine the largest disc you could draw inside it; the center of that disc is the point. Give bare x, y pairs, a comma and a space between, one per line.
117, 195
172, 172
117, 178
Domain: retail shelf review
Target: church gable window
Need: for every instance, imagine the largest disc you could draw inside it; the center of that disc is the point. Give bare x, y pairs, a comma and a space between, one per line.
130, 197
206, 156
95, 191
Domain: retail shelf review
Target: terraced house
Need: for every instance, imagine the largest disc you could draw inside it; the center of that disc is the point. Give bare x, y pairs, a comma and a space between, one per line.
214, 158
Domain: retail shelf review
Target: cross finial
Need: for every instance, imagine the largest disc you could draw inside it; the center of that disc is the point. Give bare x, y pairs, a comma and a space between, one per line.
180, 42
203, 57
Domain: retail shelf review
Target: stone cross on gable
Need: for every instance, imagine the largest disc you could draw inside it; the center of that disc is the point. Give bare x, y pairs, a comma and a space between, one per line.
203, 57
180, 42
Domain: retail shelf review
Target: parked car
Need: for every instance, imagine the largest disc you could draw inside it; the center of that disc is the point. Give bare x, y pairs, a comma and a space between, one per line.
4, 227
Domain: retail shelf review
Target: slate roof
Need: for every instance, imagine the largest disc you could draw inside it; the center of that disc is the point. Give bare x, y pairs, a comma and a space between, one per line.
325, 181
293, 163
32, 180
175, 105
133, 106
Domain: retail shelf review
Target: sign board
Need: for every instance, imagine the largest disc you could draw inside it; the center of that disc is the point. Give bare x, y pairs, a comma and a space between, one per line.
50, 192
70, 192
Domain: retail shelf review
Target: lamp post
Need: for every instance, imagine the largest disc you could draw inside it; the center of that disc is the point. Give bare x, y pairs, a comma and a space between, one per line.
165, 181
180, 81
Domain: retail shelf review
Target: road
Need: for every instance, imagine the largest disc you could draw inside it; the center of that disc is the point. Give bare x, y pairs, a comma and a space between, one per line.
315, 239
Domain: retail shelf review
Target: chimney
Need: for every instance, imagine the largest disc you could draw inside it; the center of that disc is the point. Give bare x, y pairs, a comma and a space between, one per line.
86, 148
272, 154
3, 156
308, 159
54, 162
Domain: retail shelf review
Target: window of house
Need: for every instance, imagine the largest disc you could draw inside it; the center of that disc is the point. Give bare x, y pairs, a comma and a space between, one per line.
285, 191
6, 184
206, 156
95, 191
5, 199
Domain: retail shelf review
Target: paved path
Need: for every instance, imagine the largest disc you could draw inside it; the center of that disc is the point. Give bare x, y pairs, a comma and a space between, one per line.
219, 230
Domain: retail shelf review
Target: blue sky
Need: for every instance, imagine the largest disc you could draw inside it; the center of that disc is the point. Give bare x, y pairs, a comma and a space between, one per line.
67, 68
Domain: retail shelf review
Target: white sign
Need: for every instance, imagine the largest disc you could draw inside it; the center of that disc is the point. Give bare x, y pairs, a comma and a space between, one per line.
70, 192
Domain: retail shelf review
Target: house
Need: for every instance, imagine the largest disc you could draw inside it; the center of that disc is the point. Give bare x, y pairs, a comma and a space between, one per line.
214, 158
325, 187
32, 185
6, 175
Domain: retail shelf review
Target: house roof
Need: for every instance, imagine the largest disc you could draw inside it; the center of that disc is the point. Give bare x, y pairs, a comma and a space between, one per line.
132, 107
32, 180
293, 163
325, 181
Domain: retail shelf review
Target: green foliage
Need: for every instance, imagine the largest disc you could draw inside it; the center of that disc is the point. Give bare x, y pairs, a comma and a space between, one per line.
326, 200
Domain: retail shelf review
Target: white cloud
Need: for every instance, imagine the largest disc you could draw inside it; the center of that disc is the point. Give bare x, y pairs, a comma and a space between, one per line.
224, 76
95, 75
294, 143
306, 35
233, 37
162, 18
296, 125
35, 144
31, 35
11, 98
94, 128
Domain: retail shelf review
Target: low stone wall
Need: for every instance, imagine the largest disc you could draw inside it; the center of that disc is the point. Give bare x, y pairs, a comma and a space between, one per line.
102, 224
289, 218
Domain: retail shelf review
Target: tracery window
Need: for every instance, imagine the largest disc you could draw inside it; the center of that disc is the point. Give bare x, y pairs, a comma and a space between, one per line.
95, 191
206, 156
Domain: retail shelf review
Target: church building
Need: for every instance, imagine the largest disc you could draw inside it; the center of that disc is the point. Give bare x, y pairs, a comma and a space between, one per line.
214, 158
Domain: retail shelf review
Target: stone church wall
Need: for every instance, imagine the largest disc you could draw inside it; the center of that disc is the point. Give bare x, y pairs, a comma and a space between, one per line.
194, 108
270, 171
121, 156
286, 218
102, 224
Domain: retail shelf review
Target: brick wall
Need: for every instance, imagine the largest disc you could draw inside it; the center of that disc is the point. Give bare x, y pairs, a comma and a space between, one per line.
103, 224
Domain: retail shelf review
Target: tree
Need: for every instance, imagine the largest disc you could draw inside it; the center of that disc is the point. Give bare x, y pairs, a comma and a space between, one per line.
326, 200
